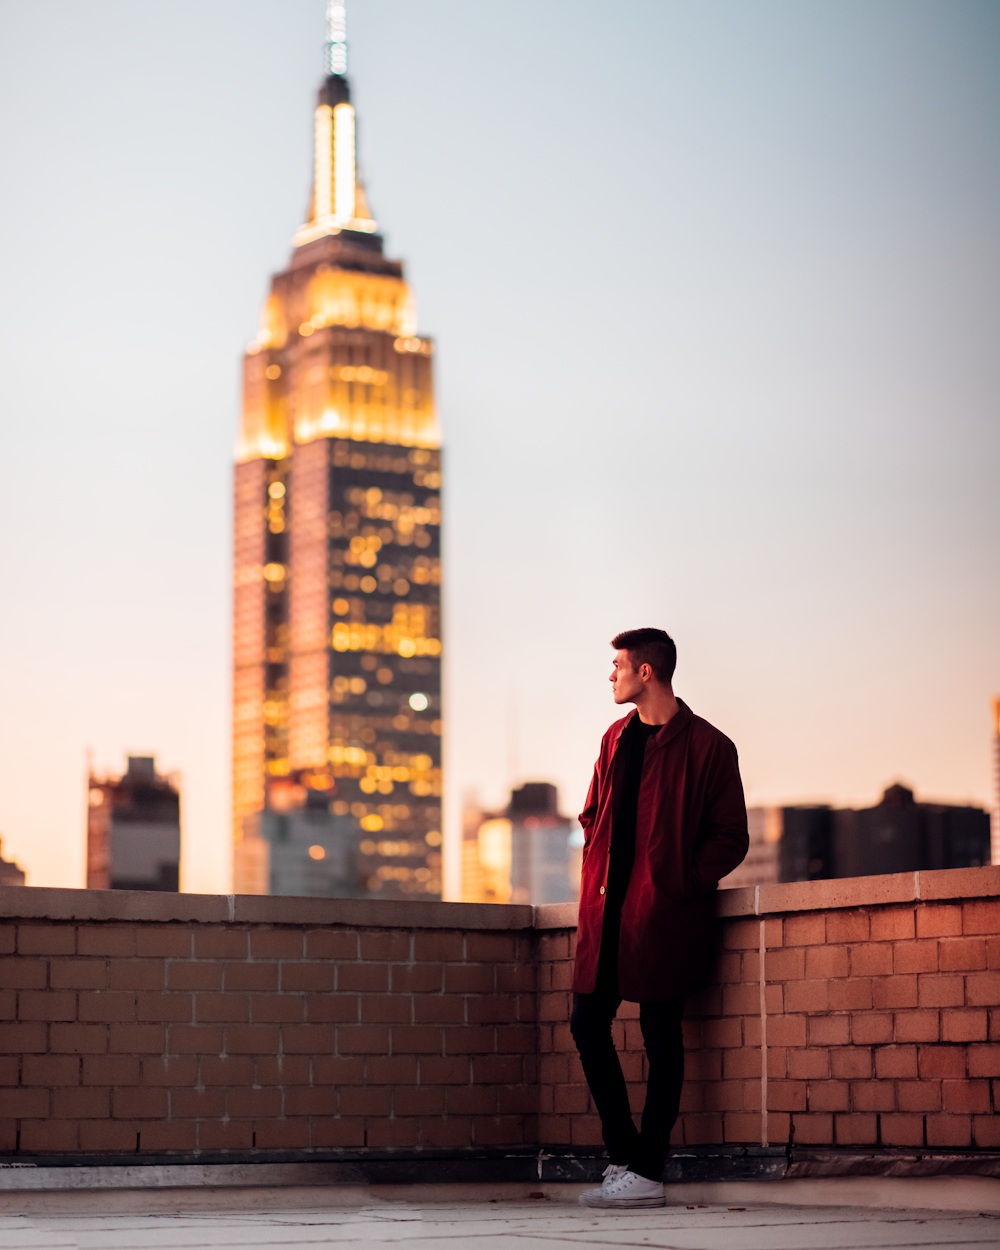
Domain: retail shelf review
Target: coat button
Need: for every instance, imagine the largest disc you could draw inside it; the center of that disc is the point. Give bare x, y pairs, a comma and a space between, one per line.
602, 889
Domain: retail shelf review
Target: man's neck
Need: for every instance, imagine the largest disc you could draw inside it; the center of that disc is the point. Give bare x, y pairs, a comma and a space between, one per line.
657, 705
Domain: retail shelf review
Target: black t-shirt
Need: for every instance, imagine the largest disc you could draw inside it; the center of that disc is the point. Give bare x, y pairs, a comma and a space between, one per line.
626, 778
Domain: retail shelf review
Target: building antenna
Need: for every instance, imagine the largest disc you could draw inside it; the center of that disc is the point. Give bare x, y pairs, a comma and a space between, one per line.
336, 37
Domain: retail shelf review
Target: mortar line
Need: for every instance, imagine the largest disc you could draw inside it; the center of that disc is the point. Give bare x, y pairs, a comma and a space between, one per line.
763, 1042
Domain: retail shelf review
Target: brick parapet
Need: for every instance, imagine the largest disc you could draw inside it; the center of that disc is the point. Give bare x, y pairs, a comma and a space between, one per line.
176, 1024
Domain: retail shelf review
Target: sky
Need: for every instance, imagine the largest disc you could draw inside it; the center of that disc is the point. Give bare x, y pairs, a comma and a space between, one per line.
715, 286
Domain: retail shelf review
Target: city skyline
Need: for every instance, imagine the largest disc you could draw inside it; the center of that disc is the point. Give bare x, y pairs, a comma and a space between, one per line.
739, 384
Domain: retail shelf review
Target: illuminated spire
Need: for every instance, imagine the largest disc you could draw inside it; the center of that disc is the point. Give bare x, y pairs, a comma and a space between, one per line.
336, 37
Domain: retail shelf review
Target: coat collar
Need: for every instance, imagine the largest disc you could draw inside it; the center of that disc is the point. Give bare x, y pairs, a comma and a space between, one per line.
674, 726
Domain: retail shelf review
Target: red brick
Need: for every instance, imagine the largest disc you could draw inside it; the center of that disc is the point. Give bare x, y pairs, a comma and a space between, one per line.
740, 1000
198, 1104
49, 1070
142, 1103
873, 1096
282, 1134
278, 1008
363, 978
386, 946
962, 954
452, 1070
276, 943
8, 939
110, 1070
827, 961
47, 1004
81, 1103
22, 973
331, 944
851, 994
311, 1039
949, 1130
469, 978
553, 946
233, 1135
331, 1070
258, 1103
936, 920
331, 1008
46, 939
915, 956
435, 1009
494, 948
465, 1040
18, 1103
940, 991
983, 1061
261, 976
981, 916
211, 1008
72, 1039
170, 1071
917, 1026
107, 1005
982, 989
941, 1061
301, 1100
813, 1130
993, 952
438, 947
895, 991
195, 1039
895, 1061
251, 1039
856, 1130
823, 1031
391, 1070
918, 1095
220, 943
847, 926
437, 1134
166, 1008
902, 1130
723, 1033
171, 941
813, 1064
828, 1096
871, 959
804, 930
232, 1070
136, 974
43, 1136
107, 939
69, 974
285, 1070
892, 924
174, 1136
296, 977
739, 1063
966, 1096
131, 1039
518, 1039
111, 1135
852, 1063
986, 1131
373, 1039
963, 1026
343, 1131
194, 975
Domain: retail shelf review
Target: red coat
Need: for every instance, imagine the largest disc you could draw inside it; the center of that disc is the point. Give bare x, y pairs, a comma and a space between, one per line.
691, 830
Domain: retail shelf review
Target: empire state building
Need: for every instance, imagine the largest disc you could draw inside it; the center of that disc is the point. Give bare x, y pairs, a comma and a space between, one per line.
337, 638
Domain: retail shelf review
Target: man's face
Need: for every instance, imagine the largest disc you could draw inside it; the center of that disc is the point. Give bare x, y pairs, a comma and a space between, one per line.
625, 681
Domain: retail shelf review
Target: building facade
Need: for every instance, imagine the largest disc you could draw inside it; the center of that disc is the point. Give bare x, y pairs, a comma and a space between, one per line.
134, 829
337, 624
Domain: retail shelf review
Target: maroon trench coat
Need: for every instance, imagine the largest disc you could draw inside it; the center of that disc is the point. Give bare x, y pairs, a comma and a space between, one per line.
691, 830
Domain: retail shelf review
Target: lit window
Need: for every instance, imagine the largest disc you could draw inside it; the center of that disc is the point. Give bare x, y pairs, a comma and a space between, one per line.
418, 702
317, 852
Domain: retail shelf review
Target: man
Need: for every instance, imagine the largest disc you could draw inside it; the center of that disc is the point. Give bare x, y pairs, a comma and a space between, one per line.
664, 821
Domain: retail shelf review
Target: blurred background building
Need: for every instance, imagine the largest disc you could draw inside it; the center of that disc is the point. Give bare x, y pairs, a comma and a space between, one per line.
995, 814
134, 829
816, 842
527, 854
337, 635
10, 873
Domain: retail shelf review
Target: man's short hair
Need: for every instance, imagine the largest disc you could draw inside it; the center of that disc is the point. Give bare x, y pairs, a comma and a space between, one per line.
654, 647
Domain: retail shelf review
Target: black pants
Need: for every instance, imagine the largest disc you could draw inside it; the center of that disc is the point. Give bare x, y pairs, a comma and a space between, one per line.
644, 1151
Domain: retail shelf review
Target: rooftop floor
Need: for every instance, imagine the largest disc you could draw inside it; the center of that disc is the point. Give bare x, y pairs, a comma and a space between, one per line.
363, 1217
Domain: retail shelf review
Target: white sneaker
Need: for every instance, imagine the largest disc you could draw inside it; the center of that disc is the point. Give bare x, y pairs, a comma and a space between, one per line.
625, 1191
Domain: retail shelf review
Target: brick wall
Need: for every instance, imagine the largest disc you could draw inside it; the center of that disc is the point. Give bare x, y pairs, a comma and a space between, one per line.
878, 1017
151, 1024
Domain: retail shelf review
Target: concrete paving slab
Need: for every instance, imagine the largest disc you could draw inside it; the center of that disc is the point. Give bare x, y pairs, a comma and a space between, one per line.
533, 1224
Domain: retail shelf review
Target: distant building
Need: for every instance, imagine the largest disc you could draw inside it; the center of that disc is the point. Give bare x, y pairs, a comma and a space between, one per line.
134, 830
527, 854
10, 874
309, 843
897, 835
761, 864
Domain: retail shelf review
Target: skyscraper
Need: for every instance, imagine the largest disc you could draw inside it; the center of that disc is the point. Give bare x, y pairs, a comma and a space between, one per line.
337, 638
134, 829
